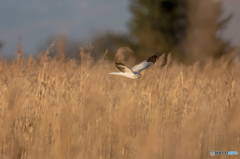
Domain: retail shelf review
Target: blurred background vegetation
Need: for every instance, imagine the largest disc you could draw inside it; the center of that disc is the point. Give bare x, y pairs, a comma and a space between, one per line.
186, 28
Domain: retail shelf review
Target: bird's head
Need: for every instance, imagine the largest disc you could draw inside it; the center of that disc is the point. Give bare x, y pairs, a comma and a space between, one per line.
138, 75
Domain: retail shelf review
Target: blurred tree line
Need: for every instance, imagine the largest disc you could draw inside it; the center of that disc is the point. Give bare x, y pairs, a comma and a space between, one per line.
186, 28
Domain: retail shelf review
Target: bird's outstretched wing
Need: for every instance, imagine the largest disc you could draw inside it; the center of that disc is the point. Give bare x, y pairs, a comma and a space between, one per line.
122, 67
145, 64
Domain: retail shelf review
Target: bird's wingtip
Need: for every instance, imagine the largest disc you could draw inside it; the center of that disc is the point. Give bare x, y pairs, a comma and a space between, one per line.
152, 59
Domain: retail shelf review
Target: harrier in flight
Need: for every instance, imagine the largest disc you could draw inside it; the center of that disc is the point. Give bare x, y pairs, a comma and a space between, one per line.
134, 72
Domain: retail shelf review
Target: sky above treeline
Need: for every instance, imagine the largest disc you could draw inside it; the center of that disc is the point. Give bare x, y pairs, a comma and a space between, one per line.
35, 21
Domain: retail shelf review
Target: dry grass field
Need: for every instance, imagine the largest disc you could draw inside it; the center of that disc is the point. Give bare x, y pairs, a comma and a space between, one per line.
51, 108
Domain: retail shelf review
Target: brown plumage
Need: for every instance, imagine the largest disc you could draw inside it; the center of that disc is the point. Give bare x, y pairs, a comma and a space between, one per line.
122, 67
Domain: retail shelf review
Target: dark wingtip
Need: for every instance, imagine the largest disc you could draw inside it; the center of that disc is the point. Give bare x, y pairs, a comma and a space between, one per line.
152, 59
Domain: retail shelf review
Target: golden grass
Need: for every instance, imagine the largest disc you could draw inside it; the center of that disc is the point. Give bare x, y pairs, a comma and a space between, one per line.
57, 109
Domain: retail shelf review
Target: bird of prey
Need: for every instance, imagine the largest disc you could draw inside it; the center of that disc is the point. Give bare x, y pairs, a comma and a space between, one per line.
134, 72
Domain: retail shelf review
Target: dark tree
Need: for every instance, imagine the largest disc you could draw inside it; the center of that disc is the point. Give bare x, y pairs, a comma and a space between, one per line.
158, 25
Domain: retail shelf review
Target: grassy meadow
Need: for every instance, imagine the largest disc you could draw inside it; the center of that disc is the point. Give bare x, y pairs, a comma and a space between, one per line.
57, 108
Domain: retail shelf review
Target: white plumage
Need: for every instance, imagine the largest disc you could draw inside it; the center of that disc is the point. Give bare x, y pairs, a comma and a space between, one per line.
134, 73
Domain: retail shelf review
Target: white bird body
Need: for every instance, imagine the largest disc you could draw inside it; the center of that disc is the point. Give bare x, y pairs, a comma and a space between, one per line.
134, 73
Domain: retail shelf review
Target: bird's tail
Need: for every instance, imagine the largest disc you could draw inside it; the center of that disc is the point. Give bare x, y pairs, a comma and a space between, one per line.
115, 73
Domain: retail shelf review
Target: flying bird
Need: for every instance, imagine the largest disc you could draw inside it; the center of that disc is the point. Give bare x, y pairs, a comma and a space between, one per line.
134, 72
